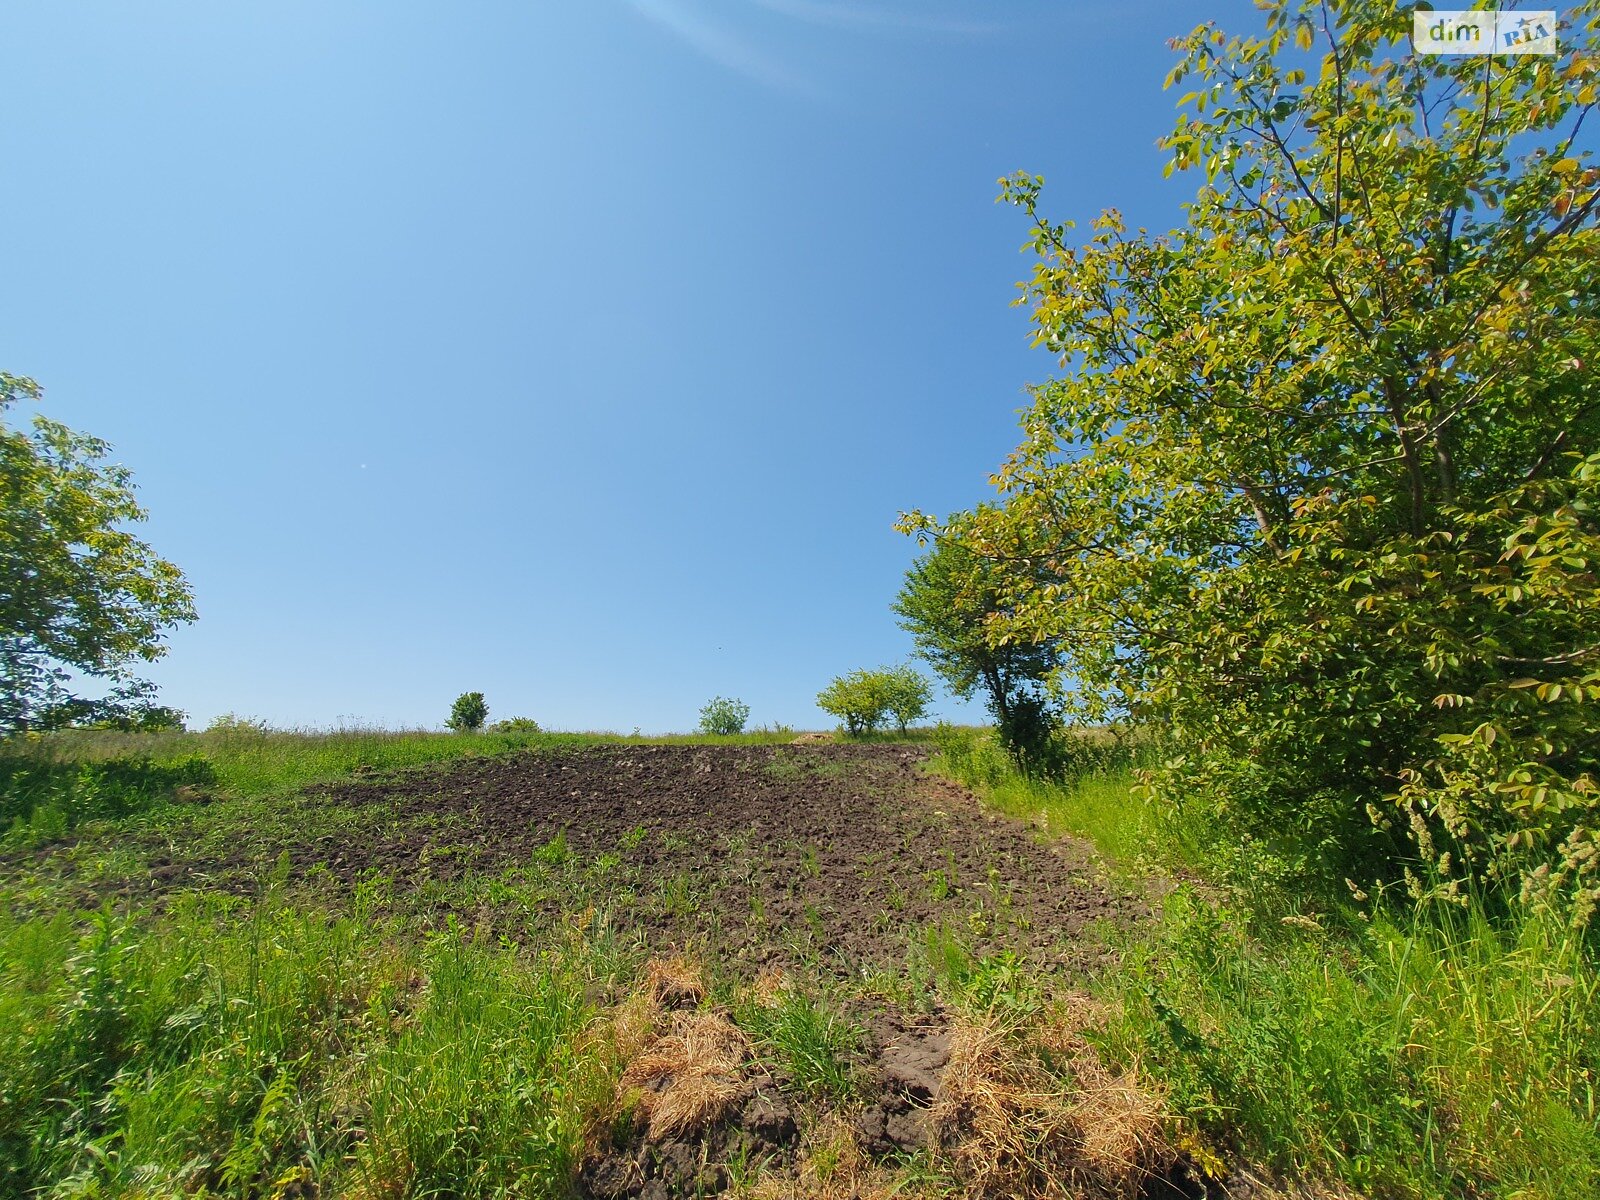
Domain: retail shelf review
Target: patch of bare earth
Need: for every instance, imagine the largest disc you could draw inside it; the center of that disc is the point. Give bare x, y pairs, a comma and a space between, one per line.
759, 855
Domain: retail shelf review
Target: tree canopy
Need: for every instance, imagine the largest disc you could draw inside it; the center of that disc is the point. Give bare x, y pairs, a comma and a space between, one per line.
950, 603
863, 699
1316, 492
83, 601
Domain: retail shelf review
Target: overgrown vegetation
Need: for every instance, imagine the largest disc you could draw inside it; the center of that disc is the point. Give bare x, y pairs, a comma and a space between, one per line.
1289, 605
1318, 495
279, 1051
1436, 1051
43, 798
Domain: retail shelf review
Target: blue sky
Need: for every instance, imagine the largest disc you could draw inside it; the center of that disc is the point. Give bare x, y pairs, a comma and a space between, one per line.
581, 352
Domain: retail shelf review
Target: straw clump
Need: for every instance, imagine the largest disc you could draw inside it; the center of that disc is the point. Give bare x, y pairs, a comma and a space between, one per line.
690, 1076
1032, 1111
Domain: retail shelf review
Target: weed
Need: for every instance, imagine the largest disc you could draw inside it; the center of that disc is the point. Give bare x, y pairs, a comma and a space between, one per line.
634, 838
812, 1039
555, 852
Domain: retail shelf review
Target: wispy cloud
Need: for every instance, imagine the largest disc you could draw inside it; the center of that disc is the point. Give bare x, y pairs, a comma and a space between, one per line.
721, 45
856, 16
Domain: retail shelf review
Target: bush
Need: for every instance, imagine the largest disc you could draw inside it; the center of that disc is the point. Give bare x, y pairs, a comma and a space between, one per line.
468, 713
722, 715
233, 723
516, 725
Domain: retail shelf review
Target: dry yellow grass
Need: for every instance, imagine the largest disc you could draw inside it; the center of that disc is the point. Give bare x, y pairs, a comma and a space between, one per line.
670, 983
674, 982
771, 983
832, 1166
690, 1076
1033, 1112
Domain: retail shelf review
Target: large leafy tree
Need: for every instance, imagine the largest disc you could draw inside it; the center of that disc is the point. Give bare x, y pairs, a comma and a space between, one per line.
1317, 490
82, 600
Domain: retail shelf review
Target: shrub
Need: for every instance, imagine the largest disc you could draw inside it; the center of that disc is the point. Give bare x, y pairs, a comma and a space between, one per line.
468, 713
516, 725
863, 699
722, 715
233, 723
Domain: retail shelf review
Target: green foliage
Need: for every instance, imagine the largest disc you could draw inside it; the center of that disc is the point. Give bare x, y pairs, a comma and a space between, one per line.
724, 716
816, 1042
1438, 1056
952, 602
233, 724
1446, 1051
42, 799
488, 1091
1095, 799
906, 695
864, 699
1319, 493
468, 713
82, 597
283, 1053
856, 699
516, 725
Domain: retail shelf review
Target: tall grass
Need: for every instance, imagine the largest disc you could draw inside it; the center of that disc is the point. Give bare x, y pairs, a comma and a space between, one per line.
272, 1052
43, 797
814, 1039
1099, 803
1437, 1051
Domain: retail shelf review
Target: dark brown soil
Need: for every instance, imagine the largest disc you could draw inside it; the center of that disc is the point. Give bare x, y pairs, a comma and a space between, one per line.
764, 854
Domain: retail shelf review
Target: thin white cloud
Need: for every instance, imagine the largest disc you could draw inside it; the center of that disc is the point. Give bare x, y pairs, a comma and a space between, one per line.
855, 16
720, 45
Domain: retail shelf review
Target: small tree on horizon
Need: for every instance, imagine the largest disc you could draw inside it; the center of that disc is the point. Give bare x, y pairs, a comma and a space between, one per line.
907, 694
722, 715
863, 698
468, 713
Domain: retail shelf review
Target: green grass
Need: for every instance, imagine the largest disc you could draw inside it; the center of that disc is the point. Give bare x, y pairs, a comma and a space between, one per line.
50, 784
252, 762
1429, 1055
1406, 1052
249, 1052
239, 1046
811, 1037
1103, 807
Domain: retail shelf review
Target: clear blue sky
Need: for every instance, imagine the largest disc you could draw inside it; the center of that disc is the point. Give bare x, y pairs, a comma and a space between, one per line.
581, 352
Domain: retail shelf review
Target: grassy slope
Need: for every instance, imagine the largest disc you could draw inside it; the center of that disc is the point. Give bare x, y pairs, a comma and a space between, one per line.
253, 1047
1404, 1053
267, 1044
